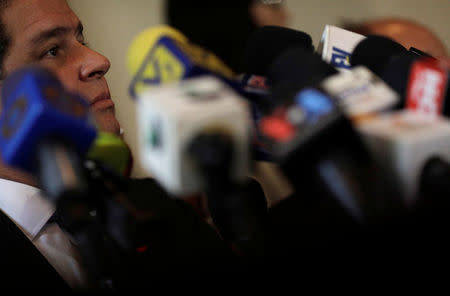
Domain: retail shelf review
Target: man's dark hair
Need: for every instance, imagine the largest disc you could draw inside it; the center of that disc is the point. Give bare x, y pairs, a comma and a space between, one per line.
5, 39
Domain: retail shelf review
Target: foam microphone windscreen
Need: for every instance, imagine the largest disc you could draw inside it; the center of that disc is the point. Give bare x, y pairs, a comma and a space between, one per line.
293, 70
267, 42
299, 66
396, 74
374, 52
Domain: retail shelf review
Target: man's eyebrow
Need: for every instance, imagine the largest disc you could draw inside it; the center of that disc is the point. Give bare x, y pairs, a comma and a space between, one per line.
56, 32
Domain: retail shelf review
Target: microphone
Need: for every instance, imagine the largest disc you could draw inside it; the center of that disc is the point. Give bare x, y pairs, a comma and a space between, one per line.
112, 152
374, 52
422, 82
344, 201
413, 149
40, 117
195, 137
336, 46
361, 93
171, 58
322, 155
262, 47
297, 68
33, 100
404, 142
165, 55
170, 116
419, 79
267, 42
358, 91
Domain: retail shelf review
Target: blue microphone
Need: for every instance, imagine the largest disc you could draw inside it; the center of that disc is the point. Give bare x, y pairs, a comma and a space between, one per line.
45, 130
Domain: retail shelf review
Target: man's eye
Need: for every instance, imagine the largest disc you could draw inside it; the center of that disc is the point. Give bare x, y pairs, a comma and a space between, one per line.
52, 52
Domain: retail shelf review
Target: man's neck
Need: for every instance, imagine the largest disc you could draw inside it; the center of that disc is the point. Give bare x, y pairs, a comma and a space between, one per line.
17, 176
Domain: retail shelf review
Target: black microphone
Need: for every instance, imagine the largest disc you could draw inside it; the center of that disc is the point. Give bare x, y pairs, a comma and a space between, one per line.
375, 51
267, 42
298, 67
262, 47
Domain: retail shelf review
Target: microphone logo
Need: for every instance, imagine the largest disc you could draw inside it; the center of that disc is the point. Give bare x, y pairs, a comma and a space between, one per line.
340, 58
162, 64
257, 81
14, 117
155, 138
426, 89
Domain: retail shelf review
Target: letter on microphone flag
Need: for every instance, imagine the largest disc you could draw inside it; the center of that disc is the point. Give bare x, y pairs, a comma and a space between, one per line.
427, 87
336, 46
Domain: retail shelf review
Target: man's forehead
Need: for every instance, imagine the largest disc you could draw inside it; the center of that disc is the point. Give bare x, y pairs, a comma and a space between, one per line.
28, 17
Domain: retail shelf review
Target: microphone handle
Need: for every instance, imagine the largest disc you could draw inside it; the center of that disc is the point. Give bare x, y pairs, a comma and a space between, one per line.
61, 174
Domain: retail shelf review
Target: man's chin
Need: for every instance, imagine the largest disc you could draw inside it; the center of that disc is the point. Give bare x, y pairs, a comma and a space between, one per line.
107, 122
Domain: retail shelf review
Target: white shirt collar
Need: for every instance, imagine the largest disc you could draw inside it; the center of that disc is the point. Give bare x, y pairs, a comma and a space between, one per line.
25, 206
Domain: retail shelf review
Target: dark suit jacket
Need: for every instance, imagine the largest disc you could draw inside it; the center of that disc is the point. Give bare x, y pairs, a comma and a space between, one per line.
23, 266
181, 247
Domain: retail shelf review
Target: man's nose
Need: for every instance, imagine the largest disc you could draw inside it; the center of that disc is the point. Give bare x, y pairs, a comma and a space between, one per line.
94, 65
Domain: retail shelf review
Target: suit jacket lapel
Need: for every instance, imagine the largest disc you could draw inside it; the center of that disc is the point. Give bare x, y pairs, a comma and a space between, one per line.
24, 267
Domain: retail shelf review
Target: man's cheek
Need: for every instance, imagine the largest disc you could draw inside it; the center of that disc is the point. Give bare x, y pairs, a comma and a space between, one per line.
69, 81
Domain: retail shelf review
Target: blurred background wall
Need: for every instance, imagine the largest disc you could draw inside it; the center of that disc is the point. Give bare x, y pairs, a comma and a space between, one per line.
111, 25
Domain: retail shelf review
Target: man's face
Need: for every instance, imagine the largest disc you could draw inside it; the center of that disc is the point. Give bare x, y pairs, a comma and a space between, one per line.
269, 14
48, 33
